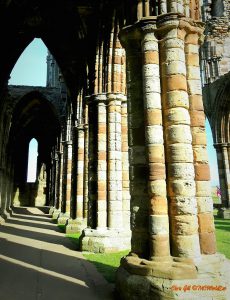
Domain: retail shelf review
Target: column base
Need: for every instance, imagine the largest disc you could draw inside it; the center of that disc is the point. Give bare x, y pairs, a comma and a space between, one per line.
63, 218
55, 214
51, 210
178, 278
105, 240
2, 220
224, 213
76, 225
5, 215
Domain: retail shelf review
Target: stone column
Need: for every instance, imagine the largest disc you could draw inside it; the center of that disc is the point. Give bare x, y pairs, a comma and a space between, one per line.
115, 212
101, 162
125, 165
80, 171
76, 224
226, 171
86, 173
66, 182
180, 169
158, 206
137, 152
200, 156
57, 208
92, 162
69, 173
221, 172
58, 179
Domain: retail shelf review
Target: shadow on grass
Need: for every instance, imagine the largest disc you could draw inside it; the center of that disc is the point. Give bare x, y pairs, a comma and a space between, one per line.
225, 228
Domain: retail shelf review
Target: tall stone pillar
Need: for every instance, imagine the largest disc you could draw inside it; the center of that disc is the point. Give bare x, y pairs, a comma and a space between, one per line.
101, 162
221, 172
76, 222
125, 165
200, 156
66, 183
158, 206
138, 169
115, 212
57, 208
108, 234
182, 271
226, 171
180, 168
86, 171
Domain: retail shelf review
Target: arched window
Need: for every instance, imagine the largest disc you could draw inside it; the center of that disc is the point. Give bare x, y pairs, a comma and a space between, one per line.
30, 68
32, 161
212, 163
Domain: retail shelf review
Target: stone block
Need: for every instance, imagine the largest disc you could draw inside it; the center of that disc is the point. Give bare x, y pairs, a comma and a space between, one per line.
158, 224
158, 206
183, 206
206, 222
179, 134
180, 153
181, 171
176, 99
179, 187
184, 225
208, 243
175, 82
151, 57
177, 115
156, 153
186, 245
202, 172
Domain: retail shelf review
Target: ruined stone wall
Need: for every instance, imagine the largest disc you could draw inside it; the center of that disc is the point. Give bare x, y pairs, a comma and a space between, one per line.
215, 51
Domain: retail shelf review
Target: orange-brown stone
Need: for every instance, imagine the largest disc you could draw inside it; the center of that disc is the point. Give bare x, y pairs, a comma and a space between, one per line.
156, 171
175, 82
207, 243
197, 118
206, 222
192, 59
154, 117
151, 57
202, 172
158, 206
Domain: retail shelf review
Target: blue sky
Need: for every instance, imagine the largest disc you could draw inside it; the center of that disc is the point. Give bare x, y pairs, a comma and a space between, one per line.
30, 69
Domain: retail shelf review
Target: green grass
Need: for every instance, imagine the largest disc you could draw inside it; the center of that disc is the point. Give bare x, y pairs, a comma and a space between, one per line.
61, 227
106, 263
75, 238
223, 236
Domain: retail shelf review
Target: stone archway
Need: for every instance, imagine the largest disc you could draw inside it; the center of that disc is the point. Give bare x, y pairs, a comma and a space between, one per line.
217, 105
167, 174
33, 116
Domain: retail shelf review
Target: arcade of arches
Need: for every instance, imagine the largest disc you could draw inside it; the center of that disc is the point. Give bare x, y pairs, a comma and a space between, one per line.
121, 133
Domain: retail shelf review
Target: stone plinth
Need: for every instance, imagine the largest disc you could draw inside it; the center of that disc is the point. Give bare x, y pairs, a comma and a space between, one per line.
55, 214
105, 240
63, 218
2, 220
51, 210
178, 278
75, 225
224, 213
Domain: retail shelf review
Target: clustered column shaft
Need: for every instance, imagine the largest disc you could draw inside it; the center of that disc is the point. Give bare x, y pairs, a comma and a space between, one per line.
202, 172
80, 170
125, 165
101, 164
180, 169
158, 206
114, 162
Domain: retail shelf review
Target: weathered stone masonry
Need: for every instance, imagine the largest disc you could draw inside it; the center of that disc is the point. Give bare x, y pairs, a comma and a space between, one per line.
126, 155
